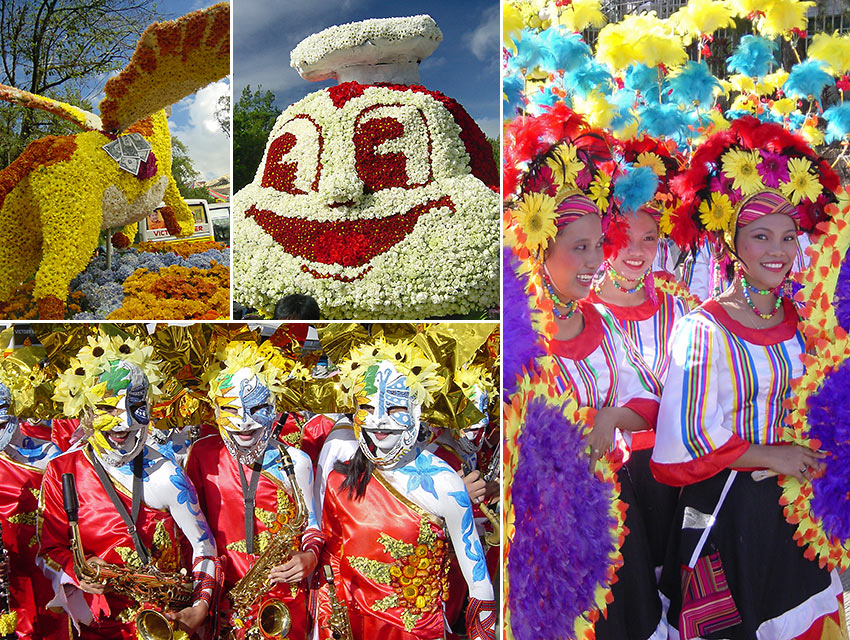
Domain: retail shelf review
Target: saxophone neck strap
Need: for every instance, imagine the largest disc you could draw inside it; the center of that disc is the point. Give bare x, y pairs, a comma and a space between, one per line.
249, 492
129, 520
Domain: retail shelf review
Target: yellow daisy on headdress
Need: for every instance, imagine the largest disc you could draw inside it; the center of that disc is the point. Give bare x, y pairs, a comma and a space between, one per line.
716, 212
801, 183
653, 161
600, 188
565, 164
741, 166
535, 214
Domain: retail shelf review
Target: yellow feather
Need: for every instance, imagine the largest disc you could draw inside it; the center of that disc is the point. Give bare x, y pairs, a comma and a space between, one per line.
702, 17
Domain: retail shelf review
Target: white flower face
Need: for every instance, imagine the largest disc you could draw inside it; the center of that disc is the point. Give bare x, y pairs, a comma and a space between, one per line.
365, 200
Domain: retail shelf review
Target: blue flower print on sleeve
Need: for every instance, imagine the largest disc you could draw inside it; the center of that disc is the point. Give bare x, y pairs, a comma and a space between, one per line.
186, 492
422, 473
471, 544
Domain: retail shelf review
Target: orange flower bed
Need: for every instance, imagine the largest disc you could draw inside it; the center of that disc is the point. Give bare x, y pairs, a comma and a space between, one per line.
176, 293
184, 248
22, 306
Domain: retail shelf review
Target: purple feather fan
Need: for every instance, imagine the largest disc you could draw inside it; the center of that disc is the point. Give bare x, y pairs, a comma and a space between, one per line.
829, 422
517, 330
842, 296
561, 545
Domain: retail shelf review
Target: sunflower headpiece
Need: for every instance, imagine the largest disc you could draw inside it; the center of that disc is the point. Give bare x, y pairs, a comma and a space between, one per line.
557, 168
750, 159
80, 388
420, 372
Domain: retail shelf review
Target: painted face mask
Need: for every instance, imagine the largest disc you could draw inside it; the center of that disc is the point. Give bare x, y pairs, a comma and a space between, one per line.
8, 422
387, 418
246, 415
472, 437
120, 418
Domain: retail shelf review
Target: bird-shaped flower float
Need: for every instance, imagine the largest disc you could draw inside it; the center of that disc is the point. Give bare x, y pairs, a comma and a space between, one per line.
58, 195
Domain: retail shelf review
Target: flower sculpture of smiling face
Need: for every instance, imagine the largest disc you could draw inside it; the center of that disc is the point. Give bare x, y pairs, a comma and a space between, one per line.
387, 418
246, 415
120, 417
378, 201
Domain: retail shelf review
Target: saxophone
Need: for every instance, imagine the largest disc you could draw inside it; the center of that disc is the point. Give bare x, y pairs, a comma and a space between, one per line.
146, 585
339, 623
272, 619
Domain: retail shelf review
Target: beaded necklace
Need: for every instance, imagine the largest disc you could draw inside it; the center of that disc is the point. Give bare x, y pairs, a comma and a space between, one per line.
570, 306
762, 292
616, 276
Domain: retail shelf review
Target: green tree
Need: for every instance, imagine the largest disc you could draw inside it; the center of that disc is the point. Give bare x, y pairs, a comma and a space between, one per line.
49, 47
184, 172
254, 116
222, 114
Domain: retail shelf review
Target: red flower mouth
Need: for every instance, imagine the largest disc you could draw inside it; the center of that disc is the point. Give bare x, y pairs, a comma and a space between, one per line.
346, 243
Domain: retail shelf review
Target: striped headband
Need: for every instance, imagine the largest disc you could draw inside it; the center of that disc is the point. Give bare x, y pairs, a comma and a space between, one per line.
765, 203
572, 208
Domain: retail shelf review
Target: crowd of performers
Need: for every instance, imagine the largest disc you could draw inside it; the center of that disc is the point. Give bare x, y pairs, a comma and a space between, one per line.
688, 396
367, 521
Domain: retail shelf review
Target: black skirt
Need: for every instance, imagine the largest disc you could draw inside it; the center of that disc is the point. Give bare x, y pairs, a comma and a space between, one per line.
636, 610
766, 571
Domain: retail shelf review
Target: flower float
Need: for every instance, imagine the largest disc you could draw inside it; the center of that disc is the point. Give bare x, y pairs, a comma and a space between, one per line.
375, 196
62, 190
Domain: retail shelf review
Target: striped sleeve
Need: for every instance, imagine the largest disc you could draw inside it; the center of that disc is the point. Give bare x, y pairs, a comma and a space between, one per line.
637, 387
693, 440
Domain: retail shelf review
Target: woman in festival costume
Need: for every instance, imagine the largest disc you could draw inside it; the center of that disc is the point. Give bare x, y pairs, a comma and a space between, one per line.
392, 511
645, 304
135, 506
245, 469
566, 186
755, 187
22, 463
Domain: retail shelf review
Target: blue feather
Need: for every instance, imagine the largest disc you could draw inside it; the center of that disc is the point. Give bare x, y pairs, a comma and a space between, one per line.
635, 187
838, 118
530, 51
538, 101
589, 77
807, 78
641, 78
624, 100
694, 83
563, 51
513, 87
754, 57
664, 120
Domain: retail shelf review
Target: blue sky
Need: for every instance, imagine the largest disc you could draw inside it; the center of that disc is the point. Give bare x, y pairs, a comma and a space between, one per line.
465, 65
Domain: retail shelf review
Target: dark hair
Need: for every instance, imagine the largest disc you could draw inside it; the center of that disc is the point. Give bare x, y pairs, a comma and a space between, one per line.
296, 306
357, 472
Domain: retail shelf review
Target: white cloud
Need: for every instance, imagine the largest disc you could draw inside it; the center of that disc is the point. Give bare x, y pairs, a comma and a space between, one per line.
490, 126
195, 125
484, 40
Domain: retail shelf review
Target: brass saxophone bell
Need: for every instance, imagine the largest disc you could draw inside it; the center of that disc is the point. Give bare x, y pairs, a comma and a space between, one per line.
274, 619
152, 625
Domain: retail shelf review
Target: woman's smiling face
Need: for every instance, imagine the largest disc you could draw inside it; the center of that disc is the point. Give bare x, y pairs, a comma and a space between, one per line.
574, 256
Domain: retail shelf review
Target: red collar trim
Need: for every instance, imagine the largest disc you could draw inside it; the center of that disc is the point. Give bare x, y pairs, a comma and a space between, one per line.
585, 343
644, 311
785, 330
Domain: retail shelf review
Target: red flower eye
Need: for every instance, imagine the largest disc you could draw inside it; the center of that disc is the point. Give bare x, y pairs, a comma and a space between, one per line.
392, 147
294, 159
